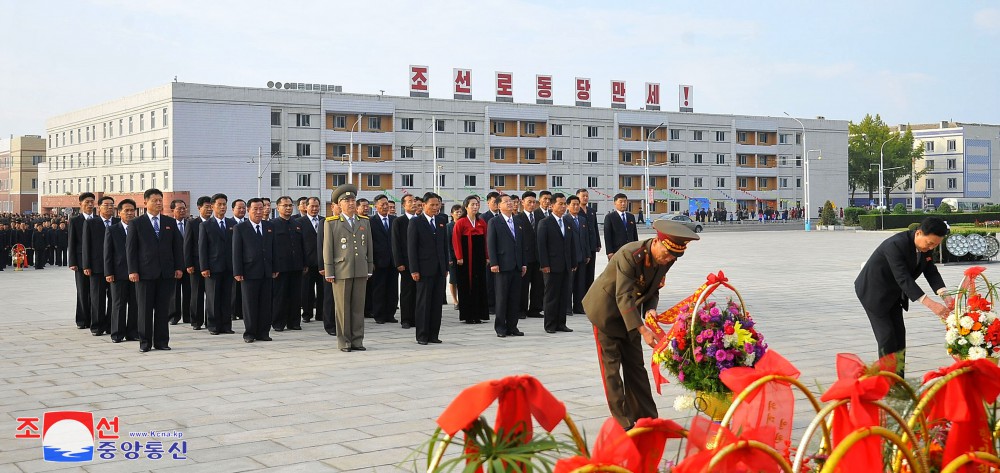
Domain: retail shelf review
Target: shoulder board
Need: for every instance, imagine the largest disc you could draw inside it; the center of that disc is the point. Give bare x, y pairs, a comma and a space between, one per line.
332, 218
362, 216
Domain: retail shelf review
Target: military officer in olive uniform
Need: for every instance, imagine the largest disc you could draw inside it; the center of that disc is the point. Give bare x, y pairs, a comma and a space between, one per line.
617, 304
348, 262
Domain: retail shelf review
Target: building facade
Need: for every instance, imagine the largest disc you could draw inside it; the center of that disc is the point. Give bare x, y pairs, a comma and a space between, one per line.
203, 139
19, 185
959, 161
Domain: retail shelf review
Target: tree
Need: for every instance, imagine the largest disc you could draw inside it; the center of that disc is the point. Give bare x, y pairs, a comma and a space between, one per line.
828, 216
899, 156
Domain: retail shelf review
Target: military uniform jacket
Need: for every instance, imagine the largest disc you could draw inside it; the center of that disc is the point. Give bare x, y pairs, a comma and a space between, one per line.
628, 287
347, 251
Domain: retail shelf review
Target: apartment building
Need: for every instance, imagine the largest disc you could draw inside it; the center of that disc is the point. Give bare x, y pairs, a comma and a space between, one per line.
959, 161
19, 160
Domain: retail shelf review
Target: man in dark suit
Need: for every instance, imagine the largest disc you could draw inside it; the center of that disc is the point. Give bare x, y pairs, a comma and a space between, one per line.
62, 243
215, 252
557, 258
619, 226
239, 207
49, 229
492, 211
75, 254
595, 237
400, 257
544, 204
93, 265
385, 279
887, 283
505, 243
39, 243
181, 310
427, 249
329, 305
288, 262
4, 245
192, 262
532, 291
581, 234
253, 249
312, 281
124, 307
155, 256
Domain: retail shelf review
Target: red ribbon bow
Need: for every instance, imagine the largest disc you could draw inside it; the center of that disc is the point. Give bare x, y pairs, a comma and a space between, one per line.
961, 402
717, 278
862, 391
519, 399
771, 404
640, 453
704, 431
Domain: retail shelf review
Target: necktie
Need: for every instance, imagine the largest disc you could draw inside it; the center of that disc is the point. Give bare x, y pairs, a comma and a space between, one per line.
510, 224
180, 226
430, 220
385, 222
107, 224
562, 229
258, 229
156, 226
624, 221
316, 223
531, 218
350, 222
222, 225
576, 221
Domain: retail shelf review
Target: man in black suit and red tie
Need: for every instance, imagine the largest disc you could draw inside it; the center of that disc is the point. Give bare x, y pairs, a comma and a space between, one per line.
75, 258
385, 279
312, 281
619, 226
427, 248
505, 244
407, 287
557, 258
124, 306
290, 265
532, 291
253, 253
887, 284
155, 258
215, 251
193, 263
93, 265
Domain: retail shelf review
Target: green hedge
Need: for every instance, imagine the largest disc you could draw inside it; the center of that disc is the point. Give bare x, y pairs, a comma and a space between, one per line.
874, 221
851, 215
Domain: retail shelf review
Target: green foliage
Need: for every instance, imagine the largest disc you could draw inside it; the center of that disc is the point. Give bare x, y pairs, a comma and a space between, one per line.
851, 215
873, 221
913, 226
899, 209
497, 451
829, 216
899, 157
990, 208
944, 208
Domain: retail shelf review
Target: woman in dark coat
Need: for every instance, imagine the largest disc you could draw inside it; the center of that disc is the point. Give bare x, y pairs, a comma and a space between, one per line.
469, 242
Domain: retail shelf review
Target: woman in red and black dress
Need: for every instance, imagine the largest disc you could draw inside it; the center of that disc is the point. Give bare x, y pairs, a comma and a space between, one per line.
469, 242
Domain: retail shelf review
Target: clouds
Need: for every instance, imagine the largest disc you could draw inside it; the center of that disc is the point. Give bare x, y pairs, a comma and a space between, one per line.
987, 20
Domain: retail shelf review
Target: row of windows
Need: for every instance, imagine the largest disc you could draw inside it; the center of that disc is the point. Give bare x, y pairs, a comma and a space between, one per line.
89, 133
8, 162
108, 183
952, 145
302, 179
8, 184
952, 183
132, 152
952, 164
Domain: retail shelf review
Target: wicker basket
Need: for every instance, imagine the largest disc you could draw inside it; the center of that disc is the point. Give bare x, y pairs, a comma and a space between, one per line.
968, 289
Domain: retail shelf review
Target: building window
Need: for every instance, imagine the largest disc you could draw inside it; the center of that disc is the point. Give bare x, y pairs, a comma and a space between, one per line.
761, 182
121, 128
152, 120
529, 155
439, 125
742, 182
303, 149
152, 151
697, 182
557, 181
301, 119
131, 183
675, 206
675, 134
142, 151
929, 146
499, 127
626, 182
164, 113
406, 124
720, 159
784, 138
142, 180
34, 183
626, 132
783, 183
470, 180
741, 136
104, 133
499, 181
952, 146
303, 179
929, 183
275, 179
529, 128
406, 180
405, 151
592, 132
591, 156
529, 181
798, 161
337, 180
952, 164
929, 165
340, 121
557, 130
783, 160
698, 135
626, 156
374, 123
556, 155
129, 127
166, 180
152, 180
374, 151
720, 182
340, 150
798, 182
470, 153
441, 180
142, 122
675, 158
743, 160
952, 183
761, 138
374, 180
675, 182
591, 181
275, 148
470, 126
275, 118
440, 153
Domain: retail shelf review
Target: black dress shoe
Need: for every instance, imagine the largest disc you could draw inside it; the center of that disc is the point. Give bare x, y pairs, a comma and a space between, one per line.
279, 329
358, 348
332, 334
247, 340
82, 326
115, 340
500, 335
229, 332
345, 350
97, 334
306, 320
393, 321
131, 339
406, 325
436, 340
517, 333
143, 349
549, 331
164, 348
174, 322
213, 332
421, 342
265, 339
535, 316
197, 327
294, 328
380, 322
564, 329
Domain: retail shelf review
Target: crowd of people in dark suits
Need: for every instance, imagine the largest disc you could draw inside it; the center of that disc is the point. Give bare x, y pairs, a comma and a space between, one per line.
44, 239
141, 267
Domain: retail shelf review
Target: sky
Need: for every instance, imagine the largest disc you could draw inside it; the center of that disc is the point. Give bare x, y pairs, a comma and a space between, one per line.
910, 61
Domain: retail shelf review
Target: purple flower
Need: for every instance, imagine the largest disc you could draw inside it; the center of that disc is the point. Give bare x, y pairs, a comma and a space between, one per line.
715, 312
707, 333
720, 355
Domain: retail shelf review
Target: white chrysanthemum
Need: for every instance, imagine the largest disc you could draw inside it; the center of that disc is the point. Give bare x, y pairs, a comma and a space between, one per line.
950, 336
952, 319
976, 353
962, 341
730, 340
683, 403
975, 338
966, 321
750, 358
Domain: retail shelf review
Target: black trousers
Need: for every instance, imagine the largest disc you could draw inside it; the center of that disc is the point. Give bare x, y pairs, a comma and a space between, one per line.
591, 267
60, 256
491, 296
100, 304
890, 334
285, 302
532, 292
384, 287
430, 291
181, 310
197, 299
50, 255
329, 309
407, 299
218, 302
579, 288
235, 302
508, 294
557, 287
82, 298
40, 260
154, 297
124, 310
256, 296
312, 294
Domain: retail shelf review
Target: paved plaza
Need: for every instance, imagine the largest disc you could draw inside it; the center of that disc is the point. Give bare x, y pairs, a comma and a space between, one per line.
299, 404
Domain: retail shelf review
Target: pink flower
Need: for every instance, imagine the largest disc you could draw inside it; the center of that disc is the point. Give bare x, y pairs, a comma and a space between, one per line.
680, 376
698, 356
715, 312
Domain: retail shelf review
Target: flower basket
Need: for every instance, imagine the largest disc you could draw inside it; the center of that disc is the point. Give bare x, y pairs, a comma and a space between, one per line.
714, 405
973, 328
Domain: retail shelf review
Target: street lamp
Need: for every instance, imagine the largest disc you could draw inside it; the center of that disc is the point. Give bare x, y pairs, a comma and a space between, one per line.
881, 170
261, 167
805, 170
881, 210
350, 156
649, 189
